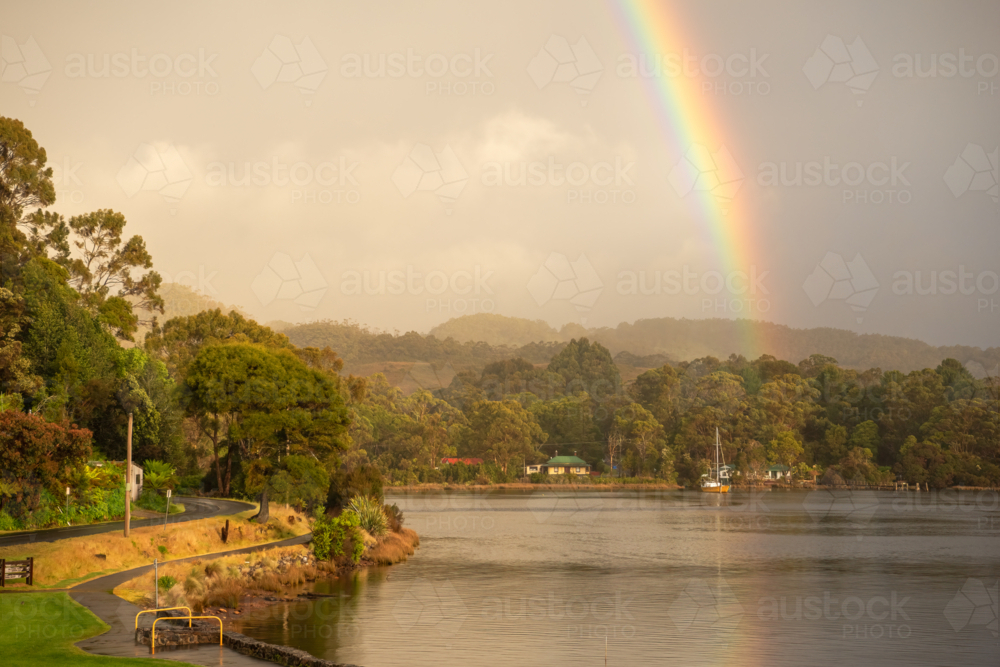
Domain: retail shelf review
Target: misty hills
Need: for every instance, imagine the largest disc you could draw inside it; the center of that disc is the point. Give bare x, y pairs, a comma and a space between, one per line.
412, 360
683, 340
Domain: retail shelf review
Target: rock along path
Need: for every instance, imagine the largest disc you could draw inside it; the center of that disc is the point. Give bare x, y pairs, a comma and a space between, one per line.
119, 641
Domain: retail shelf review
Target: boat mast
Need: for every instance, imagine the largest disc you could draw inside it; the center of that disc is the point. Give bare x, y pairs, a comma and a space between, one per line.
718, 478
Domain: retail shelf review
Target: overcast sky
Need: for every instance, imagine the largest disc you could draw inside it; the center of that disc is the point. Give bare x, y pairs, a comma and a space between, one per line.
411, 171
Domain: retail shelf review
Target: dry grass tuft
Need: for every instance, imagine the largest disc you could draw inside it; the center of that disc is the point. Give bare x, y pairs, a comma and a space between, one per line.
226, 593
395, 547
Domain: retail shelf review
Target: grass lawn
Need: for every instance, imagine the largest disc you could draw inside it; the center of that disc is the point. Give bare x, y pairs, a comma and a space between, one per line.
41, 628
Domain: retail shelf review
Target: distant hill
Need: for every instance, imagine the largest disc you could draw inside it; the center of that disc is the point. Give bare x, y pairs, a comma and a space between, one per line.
363, 349
497, 330
683, 339
181, 301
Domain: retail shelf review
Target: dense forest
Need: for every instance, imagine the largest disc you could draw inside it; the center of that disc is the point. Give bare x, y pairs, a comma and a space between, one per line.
684, 339
89, 335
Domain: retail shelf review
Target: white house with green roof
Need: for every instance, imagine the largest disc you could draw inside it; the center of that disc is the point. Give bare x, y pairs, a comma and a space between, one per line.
560, 465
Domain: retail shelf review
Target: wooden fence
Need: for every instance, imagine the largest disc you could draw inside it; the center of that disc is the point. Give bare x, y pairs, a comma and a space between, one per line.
17, 569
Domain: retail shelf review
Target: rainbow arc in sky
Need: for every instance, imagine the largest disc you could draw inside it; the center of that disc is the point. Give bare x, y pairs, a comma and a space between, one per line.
697, 139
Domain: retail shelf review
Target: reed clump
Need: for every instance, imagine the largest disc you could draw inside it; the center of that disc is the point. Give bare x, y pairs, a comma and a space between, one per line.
395, 547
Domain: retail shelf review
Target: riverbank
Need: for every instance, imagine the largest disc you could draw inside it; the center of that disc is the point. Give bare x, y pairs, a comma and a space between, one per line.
74, 560
228, 586
527, 486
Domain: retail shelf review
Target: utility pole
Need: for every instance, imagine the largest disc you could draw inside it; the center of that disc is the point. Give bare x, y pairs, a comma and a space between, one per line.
128, 476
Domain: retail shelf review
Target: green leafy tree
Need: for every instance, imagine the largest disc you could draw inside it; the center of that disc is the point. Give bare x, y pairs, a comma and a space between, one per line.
503, 432
101, 268
301, 481
660, 391
785, 449
15, 369
264, 403
180, 339
25, 183
641, 431
569, 423
586, 367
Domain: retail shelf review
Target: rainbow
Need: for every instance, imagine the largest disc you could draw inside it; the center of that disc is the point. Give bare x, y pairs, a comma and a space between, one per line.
696, 138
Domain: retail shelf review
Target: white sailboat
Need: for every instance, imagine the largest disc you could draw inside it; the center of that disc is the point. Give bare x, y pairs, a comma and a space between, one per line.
713, 482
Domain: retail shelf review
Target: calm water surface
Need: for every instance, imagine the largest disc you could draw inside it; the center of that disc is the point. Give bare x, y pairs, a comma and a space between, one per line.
669, 578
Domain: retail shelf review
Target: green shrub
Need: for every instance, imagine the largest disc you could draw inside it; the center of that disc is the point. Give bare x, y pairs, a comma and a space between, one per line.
166, 582
370, 515
162, 549
7, 522
330, 533
191, 482
156, 502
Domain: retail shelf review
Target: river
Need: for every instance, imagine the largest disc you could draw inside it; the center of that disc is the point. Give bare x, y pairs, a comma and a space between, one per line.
669, 578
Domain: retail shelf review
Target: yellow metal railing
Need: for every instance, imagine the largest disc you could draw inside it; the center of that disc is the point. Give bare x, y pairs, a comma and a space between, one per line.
153, 611
152, 639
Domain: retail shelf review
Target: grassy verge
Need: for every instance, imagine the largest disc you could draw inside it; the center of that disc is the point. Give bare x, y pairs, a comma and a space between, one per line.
71, 561
40, 629
154, 501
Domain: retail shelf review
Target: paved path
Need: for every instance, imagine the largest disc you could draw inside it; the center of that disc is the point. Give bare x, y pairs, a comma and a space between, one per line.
96, 596
194, 509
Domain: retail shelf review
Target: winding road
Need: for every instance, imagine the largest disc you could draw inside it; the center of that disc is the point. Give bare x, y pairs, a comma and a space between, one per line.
194, 509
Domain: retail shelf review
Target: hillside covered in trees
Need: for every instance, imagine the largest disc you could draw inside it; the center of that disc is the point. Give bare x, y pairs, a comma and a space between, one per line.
684, 340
